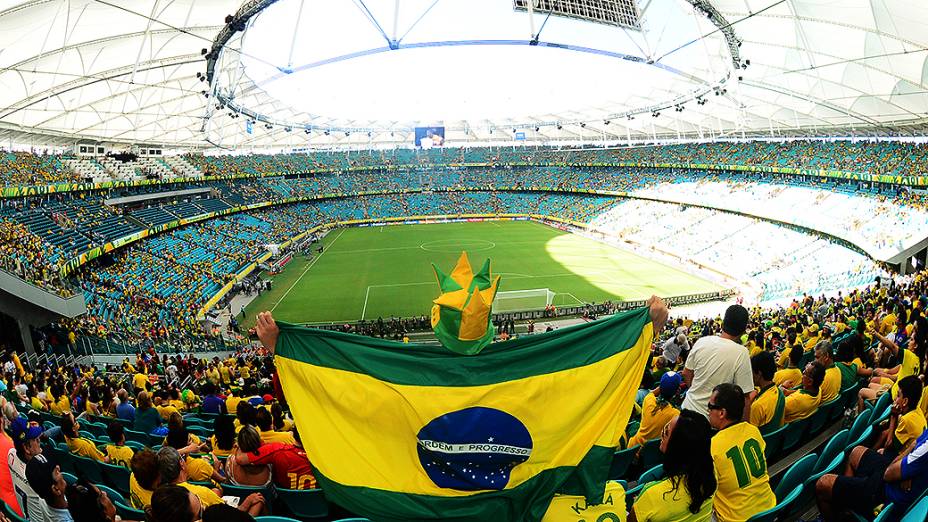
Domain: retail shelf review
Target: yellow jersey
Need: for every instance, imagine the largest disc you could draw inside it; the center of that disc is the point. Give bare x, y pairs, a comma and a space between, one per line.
285, 437
923, 403
232, 404
888, 324
138, 496
225, 374
140, 381
207, 496
831, 386
60, 406
199, 470
573, 508
660, 502
166, 411
84, 448
908, 366
119, 455
741, 472
793, 375
654, 417
800, 405
767, 409
909, 427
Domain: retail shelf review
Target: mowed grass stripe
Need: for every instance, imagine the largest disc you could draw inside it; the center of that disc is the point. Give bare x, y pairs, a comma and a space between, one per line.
383, 271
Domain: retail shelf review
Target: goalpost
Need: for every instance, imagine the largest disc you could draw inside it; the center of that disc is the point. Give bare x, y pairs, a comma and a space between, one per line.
520, 300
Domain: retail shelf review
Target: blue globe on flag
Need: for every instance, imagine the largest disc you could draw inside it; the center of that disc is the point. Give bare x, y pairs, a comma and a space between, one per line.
473, 449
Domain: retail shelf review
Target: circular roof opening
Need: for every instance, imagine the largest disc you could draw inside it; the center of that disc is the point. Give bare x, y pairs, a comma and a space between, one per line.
425, 61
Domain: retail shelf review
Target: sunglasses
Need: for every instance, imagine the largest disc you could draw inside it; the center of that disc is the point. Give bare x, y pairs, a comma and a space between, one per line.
715, 407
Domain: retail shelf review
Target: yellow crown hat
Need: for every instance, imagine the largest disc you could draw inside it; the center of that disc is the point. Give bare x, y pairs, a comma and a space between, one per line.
461, 314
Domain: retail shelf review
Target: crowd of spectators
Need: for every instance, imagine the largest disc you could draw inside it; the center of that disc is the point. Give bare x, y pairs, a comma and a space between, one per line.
26, 168
156, 288
753, 372
744, 375
208, 423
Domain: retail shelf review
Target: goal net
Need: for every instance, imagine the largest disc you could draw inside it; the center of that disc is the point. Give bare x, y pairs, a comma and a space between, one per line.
519, 300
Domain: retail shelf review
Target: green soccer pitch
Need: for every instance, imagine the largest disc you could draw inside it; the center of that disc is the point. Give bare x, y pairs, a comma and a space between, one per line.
372, 272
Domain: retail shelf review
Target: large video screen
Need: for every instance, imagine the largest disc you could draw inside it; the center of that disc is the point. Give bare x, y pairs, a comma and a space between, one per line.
428, 137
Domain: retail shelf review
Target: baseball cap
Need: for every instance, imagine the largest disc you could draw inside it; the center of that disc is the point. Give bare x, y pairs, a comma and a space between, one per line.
22, 430
670, 384
39, 472
268, 398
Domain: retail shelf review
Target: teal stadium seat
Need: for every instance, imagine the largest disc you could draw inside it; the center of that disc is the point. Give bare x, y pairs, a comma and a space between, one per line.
10, 514
773, 442
781, 510
653, 474
918, 512
304, 503
821, 417
795, 476
793, 434
859, 425
651, 454
136, 436
114, 495
834, 448
62, 456
621, 461
116, 477
87, 468
243, 491
127, 512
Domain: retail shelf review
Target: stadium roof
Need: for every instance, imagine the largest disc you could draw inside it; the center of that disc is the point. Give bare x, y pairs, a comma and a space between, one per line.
368, 71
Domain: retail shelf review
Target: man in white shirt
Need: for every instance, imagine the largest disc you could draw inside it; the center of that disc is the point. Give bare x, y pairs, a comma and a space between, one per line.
719, 359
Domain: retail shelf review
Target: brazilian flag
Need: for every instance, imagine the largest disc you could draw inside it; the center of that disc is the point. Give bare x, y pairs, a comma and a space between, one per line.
400, 432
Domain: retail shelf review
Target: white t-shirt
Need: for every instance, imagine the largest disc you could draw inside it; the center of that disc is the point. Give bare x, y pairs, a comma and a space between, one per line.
58, 515
714, 361
34, 508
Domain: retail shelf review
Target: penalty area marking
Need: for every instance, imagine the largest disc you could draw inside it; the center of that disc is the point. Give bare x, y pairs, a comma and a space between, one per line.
306, 270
